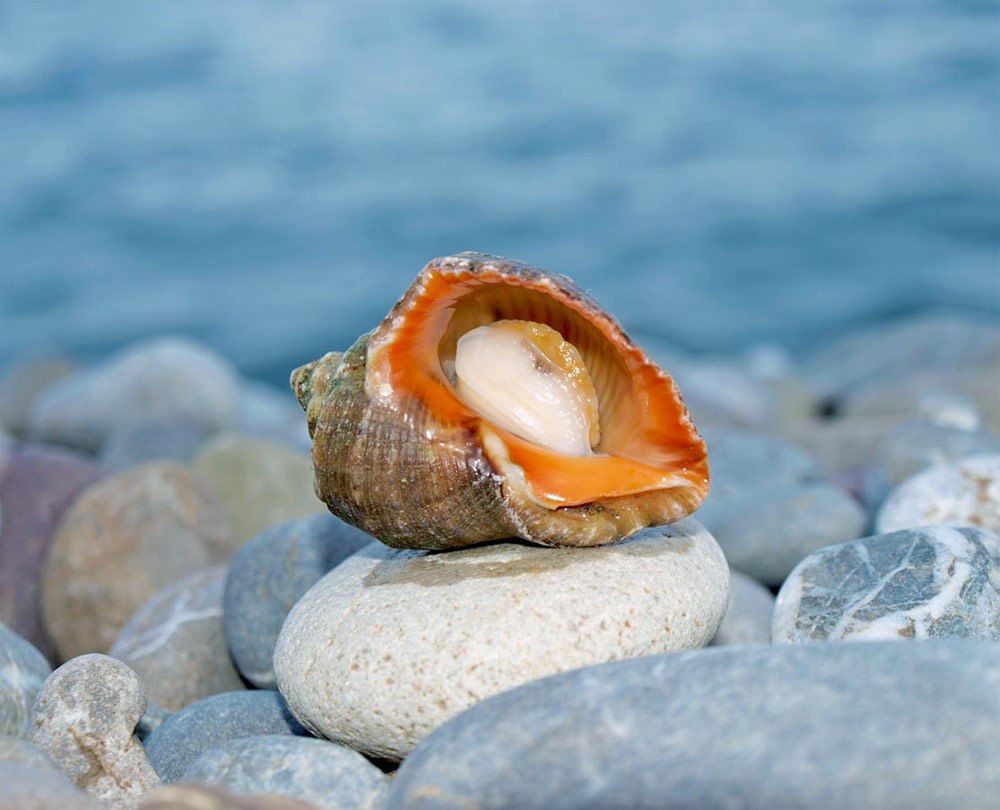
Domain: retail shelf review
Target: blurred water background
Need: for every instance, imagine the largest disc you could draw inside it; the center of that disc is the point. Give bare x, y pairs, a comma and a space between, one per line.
268, 177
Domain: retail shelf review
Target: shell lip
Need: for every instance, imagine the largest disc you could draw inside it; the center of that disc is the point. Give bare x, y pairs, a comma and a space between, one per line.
404, 361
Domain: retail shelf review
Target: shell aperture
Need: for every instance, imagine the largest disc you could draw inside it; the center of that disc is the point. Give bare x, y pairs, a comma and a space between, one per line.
525, 378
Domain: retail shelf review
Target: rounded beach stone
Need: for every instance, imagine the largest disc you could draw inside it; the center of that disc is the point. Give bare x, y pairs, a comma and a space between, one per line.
914, 446
23, 670
40, 787
884, 354
37, 486
272, 413
768, 508
133, 444
886, 725
748, 618
931, 582
125, 538
163, 380
741, 459
22, 387
965, 492
85, 718
20, 751
262, 483
766, 533
392, 643
203, 797
328, 775
269, 575
177, 645
182, 737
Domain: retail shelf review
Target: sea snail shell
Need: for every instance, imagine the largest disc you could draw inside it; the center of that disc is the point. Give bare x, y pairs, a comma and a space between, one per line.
401, 454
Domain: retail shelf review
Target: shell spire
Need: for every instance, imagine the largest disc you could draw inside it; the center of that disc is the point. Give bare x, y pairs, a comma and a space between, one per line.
496, 401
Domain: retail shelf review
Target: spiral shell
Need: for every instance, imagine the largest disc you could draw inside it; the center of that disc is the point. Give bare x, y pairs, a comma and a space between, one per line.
399, 454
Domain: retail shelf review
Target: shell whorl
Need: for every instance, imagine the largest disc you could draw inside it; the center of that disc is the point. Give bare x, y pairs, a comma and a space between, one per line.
391, 460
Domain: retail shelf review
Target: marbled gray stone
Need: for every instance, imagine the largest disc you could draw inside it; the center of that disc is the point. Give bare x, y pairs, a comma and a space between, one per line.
748, 618
85, 719
330, 776
878, 725
168, 379
768, 507
927, 582
269, 575
131, 444
182, 737
23, 670
177, 645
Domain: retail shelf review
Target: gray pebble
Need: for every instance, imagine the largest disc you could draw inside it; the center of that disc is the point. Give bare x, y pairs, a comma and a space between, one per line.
85, 718
919, 345
748, 619
915, 446
916, 583
272, 413
269, 575
22, 752
22, 387
768, 507
204, 797
129, 445
40, 787
175, 642
182, 737
886, 725
330, 776
23, 670
164, 380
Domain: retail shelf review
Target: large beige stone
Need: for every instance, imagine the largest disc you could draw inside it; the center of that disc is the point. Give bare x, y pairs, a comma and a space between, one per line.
124, 539
262, 483
391, 643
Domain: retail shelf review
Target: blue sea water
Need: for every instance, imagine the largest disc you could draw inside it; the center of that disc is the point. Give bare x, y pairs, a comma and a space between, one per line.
269, 176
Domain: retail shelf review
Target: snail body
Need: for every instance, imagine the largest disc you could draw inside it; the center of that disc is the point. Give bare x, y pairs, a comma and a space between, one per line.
497, 401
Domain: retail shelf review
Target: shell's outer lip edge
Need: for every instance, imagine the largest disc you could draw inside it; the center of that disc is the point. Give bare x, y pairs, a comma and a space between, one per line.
378, 380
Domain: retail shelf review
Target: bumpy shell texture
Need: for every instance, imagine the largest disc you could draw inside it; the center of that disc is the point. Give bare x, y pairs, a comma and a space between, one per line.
399, 455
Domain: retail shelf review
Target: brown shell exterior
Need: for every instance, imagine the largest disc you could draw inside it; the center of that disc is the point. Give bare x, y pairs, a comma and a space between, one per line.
388, 465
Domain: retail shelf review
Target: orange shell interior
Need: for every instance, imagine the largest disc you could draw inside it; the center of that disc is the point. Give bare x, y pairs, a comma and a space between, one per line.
647, 442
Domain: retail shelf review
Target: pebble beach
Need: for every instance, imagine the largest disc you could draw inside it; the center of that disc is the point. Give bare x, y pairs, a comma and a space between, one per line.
693, 503
186, 625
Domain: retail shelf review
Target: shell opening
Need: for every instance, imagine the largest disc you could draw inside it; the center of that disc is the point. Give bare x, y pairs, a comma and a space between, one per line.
641, 437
